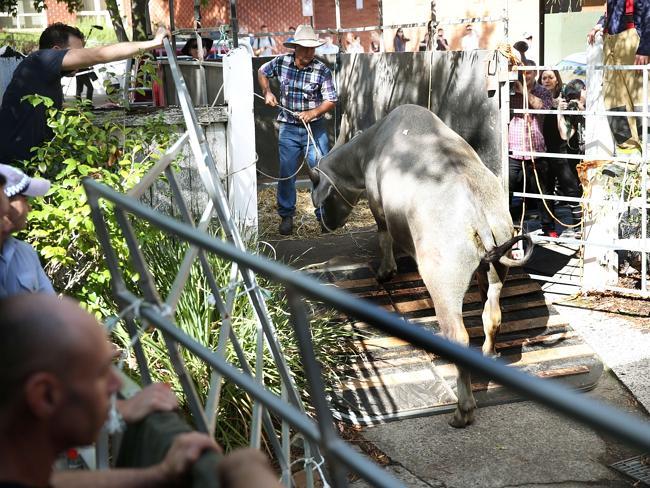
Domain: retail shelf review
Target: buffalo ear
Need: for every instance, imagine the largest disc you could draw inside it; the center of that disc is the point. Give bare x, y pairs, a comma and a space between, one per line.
343, 130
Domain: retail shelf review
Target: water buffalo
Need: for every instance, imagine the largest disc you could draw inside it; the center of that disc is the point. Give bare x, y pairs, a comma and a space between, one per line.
430, 194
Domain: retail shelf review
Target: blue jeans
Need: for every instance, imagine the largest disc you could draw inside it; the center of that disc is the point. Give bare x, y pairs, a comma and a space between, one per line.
292, 144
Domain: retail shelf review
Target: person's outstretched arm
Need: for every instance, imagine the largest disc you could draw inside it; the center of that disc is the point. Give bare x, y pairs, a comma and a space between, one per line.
83, 58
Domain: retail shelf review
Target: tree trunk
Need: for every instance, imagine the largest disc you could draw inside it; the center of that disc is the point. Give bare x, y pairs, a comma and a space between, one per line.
116, 20
140, 17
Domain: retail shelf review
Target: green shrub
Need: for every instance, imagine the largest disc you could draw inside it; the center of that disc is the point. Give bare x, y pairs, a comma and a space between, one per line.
24, 42
198, 317
60, 226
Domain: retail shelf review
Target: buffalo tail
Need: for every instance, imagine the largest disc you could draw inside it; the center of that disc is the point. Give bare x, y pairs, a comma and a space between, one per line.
497, 253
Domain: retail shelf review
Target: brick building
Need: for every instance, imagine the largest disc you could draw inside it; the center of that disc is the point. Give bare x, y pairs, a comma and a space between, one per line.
278, 15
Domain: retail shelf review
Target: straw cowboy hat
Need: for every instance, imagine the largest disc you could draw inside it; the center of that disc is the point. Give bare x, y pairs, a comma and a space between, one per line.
305, 37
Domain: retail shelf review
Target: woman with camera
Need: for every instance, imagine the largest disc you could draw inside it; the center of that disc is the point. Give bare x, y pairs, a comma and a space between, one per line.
561, 171
572, 127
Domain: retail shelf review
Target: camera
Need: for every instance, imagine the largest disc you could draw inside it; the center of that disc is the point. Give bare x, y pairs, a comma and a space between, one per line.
572, 92
573, 105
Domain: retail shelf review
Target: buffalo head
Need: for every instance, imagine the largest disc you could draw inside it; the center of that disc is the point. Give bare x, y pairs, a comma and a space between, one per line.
335, 205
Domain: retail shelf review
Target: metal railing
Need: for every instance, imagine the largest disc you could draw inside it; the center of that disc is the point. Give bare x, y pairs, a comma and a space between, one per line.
243, 281
641, 245
339, 456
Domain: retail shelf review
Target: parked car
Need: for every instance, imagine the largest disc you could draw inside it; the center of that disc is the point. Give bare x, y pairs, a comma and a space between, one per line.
576, 62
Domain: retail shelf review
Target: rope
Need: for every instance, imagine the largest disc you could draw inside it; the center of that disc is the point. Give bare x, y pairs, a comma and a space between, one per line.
310, 140
164, 309
115, 423
317, 467
351, 205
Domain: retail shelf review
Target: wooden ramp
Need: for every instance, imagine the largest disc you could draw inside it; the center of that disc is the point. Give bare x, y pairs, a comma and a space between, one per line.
388, 379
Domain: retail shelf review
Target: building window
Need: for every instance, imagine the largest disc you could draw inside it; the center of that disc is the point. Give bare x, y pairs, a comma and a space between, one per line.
27, 18
95, 11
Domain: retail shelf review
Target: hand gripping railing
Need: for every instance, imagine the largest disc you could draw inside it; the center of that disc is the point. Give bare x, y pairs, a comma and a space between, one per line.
339, 456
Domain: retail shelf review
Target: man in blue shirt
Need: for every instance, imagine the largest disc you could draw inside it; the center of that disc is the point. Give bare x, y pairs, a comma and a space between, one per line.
20, 267
307, 92
626, 27
61, 53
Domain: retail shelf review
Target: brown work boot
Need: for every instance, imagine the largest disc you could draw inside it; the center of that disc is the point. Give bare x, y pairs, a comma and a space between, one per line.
286, 226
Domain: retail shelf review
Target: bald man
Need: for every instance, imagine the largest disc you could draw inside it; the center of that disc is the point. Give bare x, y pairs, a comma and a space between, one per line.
56, 382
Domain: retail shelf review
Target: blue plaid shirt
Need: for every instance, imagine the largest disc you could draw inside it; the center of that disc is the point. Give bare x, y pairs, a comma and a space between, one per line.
300, 89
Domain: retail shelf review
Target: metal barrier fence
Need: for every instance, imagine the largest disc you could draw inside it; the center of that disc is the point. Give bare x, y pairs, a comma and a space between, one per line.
339, 456
217, 206
642, 245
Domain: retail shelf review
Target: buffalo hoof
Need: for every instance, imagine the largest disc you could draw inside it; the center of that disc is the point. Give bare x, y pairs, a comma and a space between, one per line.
461, 419
386, 274
491, 354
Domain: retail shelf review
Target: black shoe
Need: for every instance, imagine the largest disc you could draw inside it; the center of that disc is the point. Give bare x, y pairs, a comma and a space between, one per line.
286, 226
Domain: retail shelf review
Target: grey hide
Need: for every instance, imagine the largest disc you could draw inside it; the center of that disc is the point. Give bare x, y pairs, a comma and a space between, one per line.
430, 194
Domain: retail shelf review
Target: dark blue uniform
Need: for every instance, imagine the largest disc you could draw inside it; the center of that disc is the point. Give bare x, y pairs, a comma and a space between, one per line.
21, 125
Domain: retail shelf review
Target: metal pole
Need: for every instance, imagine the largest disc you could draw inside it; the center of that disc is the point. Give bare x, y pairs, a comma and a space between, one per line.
380, 7
118, 284
317, 390
504, 100
172, 23
208, 173
541, 31
147, 286
337, 7
644, 185
234, 26
197, 13
432, 30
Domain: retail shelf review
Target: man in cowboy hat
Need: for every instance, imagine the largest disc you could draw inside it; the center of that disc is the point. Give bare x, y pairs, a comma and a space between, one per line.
307, 92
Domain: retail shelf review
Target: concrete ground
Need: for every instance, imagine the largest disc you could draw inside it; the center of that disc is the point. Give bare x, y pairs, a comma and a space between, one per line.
510, 445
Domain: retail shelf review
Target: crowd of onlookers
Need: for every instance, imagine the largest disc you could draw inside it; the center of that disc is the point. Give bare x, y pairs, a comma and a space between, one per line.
557, 134
360, 42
